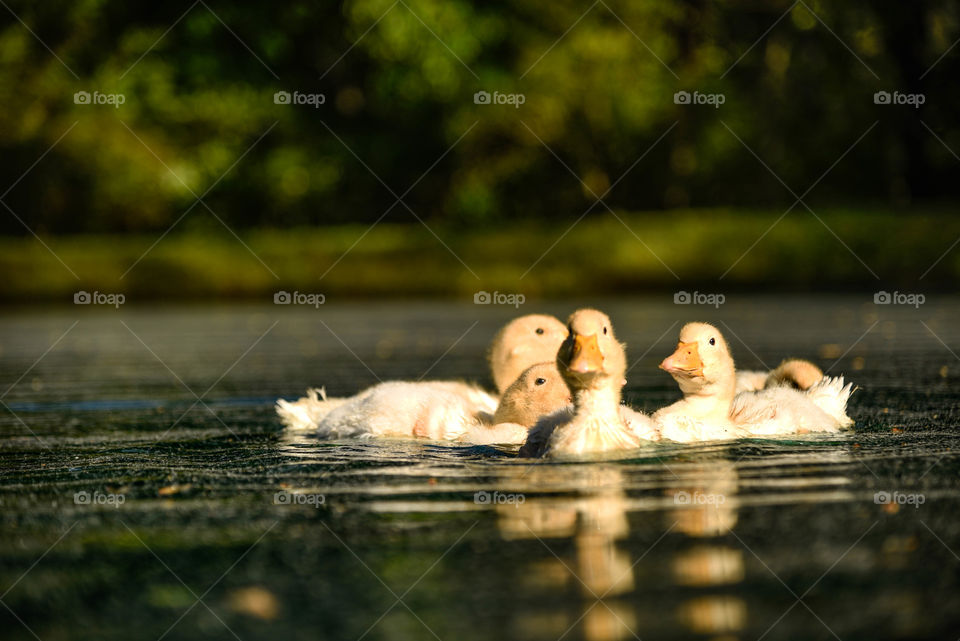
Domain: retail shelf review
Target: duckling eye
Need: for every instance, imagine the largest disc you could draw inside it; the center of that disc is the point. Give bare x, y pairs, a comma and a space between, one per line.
604, 330
540, 381
539, 330
713, 341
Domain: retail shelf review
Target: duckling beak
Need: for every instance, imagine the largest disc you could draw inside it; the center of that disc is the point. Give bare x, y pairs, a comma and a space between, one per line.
585, 357
686, 360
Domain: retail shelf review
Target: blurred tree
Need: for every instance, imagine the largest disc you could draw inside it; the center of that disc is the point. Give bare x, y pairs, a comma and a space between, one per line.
399, 78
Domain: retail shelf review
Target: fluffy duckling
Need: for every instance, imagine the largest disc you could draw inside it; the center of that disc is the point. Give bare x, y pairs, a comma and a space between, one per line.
704, 370
306, 413
441, 411
793, 372
711, 409
521, 343
592, 364
539, 391
524, 341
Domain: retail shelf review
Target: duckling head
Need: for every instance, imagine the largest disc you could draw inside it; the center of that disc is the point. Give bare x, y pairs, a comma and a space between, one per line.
539, 391
702, 363
591, 356
523, 342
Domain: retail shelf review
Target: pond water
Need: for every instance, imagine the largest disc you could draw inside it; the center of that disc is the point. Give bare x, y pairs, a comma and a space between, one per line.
149, 492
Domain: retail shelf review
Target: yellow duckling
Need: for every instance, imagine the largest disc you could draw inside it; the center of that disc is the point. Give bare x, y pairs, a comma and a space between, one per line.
711, 409
521, 343
593, 363
439, 412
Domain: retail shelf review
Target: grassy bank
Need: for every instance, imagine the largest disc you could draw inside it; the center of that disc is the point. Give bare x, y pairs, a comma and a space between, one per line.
597, 256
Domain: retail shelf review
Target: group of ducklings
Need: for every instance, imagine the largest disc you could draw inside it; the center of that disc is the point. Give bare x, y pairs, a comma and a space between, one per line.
559, 394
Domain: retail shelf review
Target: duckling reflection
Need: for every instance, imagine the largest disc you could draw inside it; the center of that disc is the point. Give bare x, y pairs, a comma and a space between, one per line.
705, 505
596, 518
707, 509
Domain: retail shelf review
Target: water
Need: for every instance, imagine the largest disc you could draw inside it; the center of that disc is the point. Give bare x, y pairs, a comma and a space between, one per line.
231, 529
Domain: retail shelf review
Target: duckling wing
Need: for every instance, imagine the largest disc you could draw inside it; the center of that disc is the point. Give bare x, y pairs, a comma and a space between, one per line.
781, 410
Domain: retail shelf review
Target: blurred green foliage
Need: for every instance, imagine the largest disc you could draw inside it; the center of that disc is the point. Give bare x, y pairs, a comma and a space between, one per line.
399, 80
598, 257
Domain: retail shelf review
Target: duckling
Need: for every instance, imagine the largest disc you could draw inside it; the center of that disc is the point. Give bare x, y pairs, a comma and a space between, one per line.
707, 378
306, 413
440, 411
539, 391
711, 409
792, 372
592, 364
524, 341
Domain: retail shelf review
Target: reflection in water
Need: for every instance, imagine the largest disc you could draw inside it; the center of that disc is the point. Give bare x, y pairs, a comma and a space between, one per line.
595, 518
714, 614
613, 550
594, 515
708, 511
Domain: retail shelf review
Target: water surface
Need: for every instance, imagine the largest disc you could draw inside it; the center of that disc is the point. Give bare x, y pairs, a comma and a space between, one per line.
230, 528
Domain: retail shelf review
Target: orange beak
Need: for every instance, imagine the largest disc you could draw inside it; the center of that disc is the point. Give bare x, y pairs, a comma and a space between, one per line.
585, 356
686, 360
